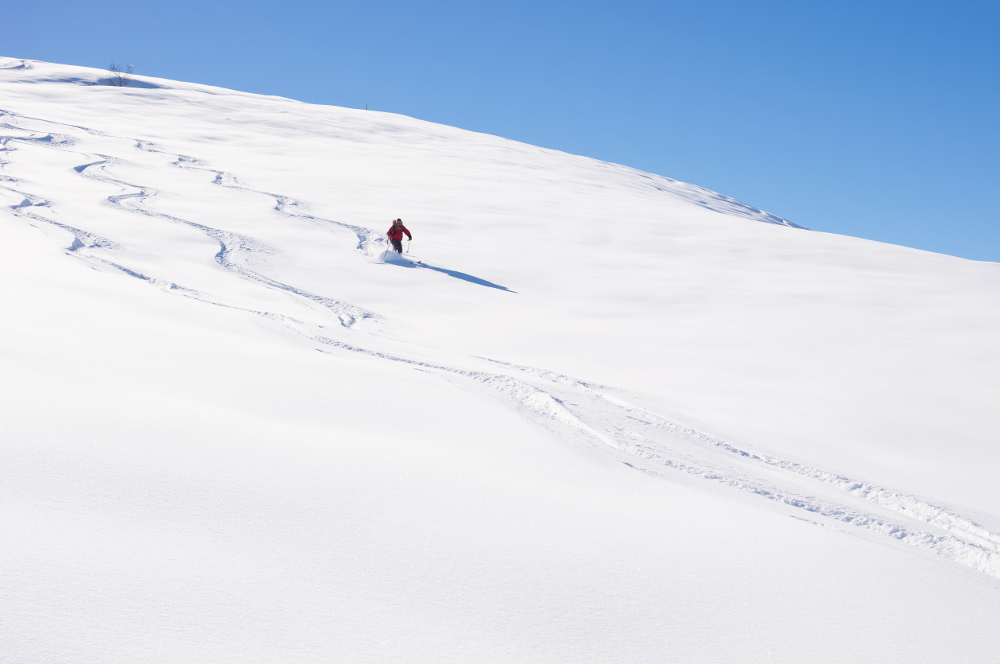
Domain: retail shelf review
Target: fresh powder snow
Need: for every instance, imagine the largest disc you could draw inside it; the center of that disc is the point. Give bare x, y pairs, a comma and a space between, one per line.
591, 415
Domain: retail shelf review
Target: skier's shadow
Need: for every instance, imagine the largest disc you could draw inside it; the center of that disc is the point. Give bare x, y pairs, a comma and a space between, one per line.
453, 273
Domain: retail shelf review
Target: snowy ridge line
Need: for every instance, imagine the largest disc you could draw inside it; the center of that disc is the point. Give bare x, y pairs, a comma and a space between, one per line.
717, 202
8, 63
366, 236
705, 198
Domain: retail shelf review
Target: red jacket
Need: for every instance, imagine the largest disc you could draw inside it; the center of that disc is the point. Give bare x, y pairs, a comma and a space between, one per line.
396, 232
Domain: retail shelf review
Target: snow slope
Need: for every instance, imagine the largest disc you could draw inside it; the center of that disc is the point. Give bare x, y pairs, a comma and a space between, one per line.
608, 417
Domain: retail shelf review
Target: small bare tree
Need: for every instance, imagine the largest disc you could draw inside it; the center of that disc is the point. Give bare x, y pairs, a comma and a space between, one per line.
119, 75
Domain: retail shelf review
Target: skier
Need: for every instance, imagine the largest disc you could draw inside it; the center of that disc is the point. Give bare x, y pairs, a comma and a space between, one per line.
396, 235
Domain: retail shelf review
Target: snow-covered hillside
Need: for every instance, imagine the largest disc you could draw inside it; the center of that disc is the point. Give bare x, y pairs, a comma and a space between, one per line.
607, 417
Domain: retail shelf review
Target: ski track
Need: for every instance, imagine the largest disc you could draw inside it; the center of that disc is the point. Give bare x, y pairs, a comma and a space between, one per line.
283, 204
636, 430
582, 411
637, 433
235, 250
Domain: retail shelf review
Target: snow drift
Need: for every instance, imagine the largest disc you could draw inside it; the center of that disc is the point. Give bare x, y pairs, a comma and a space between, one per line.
595, 415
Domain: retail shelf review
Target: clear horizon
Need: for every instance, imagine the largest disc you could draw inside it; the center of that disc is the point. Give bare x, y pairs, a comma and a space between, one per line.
871, 121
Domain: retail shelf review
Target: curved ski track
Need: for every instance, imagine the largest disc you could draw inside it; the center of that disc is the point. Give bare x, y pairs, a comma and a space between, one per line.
589, 415
235, 250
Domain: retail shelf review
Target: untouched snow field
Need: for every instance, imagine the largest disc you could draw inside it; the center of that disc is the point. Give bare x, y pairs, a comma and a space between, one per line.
609, 417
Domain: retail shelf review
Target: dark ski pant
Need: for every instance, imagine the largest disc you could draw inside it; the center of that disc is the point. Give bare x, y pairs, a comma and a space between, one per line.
397, 246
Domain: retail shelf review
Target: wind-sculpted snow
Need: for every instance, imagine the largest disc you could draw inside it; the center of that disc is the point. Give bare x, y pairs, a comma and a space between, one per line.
706, 198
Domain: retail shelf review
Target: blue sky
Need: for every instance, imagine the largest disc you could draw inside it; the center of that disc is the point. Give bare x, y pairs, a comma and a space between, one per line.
874, 119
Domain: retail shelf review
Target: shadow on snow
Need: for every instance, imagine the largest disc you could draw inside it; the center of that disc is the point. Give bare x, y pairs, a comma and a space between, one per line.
451, 273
